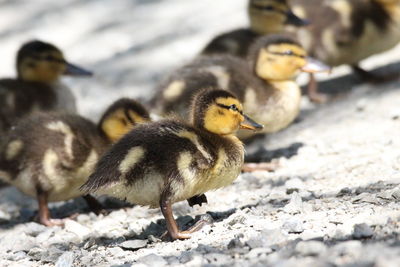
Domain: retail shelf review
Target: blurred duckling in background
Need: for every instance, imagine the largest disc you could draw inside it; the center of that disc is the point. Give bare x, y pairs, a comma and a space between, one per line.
160, 163
37, 86
266, 17
264, 84
348, 31
50, 155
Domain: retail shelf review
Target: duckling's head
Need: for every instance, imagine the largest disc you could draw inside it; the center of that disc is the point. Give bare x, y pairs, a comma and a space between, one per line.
271, 16
121, 117
220, 112
43, 62
280, 57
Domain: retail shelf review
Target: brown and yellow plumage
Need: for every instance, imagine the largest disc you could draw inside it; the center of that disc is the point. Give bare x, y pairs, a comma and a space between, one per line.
160, 163
50, 155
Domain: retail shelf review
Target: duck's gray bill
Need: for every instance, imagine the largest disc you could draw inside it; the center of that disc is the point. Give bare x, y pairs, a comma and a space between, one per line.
249, 124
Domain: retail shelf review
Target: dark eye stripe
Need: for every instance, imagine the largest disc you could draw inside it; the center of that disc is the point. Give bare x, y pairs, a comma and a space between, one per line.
287, 54
267, 8
233, 107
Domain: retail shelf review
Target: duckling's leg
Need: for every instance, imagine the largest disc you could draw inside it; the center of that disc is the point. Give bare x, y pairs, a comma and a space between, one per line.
374, 78
312, 91
44, 213
197, 200
172, 226
94, 204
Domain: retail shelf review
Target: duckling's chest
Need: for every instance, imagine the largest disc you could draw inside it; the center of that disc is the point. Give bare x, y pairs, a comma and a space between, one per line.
223, 172
276, 110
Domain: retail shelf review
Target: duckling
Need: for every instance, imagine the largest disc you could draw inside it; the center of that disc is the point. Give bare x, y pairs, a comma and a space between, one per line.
161, 163
266, 17
348, 31
48, 156
265, 84
37, 86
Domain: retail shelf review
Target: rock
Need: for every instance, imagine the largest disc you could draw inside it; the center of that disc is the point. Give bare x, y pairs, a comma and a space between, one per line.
218, 259
66, 259
310, 248
350, 250
236, 218
34, 229
344, 191
294, 185
116, 252
133, 244
396, 193
258, 252
295, 204
235, 243
362, 231
81, 231
293, 225
185, 256
4, 216
255, 242
153, 260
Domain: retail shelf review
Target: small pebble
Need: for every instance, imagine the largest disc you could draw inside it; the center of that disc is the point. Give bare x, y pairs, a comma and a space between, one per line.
310, 248
293, 225
362, 230
134, 244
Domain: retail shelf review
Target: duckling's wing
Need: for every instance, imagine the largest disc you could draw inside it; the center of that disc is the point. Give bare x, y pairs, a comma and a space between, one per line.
236, 43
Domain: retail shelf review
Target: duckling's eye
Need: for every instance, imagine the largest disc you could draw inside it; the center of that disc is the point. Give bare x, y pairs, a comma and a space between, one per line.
233, 107
268, 8
288, 52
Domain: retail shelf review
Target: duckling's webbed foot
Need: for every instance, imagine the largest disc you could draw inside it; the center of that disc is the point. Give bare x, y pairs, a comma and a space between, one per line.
374, 78
312, 91
44, 213
197, 200
94, 205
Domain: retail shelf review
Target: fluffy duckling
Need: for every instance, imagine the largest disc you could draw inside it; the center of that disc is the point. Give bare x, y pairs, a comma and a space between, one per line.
160, 163
37, 86
348, 31
48, 156
266, 17
264, 84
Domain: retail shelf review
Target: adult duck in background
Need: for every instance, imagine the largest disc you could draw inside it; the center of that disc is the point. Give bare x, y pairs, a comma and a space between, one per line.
161, 163
48, 156
37, 87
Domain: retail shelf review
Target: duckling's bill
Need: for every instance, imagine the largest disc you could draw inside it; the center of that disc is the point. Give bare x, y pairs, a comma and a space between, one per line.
249, 124
75, 70
314, 66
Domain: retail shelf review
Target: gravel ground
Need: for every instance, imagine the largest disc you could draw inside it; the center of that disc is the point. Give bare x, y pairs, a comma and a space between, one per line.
333, 201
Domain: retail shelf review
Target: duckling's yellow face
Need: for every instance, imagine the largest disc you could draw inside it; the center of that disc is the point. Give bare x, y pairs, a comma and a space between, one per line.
46, 67
120, 122
271, 16
280, 61
225, 116
267, 16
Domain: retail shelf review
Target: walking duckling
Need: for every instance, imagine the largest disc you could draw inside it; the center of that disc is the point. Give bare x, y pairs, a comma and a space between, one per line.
264, 84
37, 86
48, 156
266, 17
161, 163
